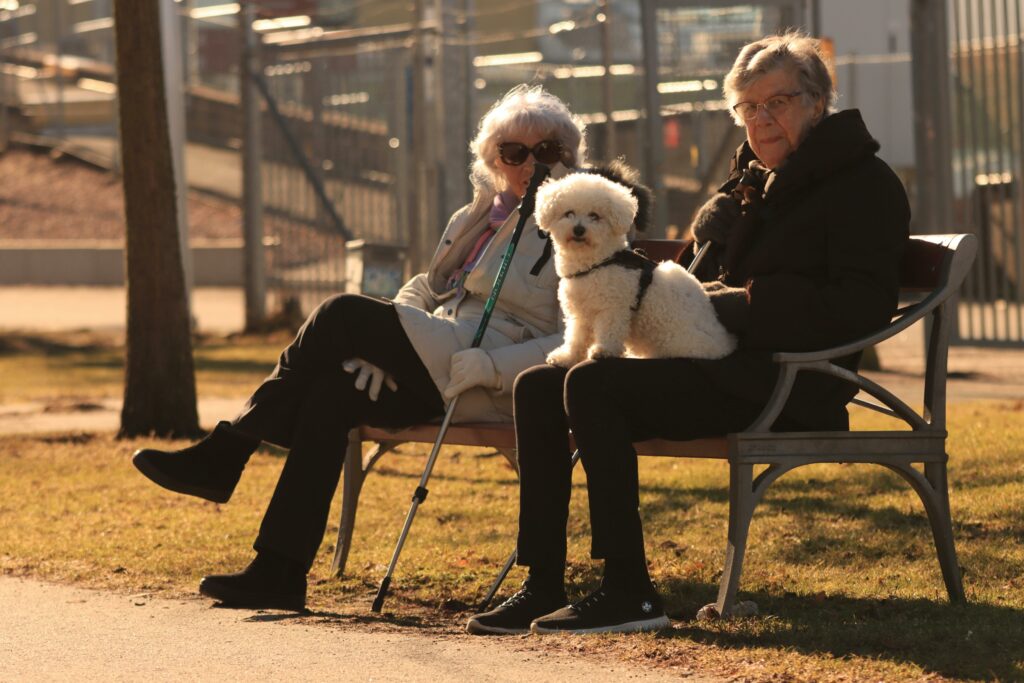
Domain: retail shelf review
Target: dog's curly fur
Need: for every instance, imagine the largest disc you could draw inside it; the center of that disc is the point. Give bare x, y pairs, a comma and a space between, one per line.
588, 217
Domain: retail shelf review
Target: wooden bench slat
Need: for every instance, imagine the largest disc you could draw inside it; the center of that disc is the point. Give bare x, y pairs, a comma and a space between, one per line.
502, 435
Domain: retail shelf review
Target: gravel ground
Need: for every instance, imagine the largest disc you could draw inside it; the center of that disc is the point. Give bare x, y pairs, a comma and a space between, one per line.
60, 633
41, 199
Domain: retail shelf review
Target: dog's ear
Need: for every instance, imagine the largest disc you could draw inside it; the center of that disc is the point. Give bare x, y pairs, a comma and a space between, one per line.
621, 209
620, 172
544, 212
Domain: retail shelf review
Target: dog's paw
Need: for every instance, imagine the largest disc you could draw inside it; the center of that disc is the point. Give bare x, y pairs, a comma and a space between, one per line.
562, 357
605, 351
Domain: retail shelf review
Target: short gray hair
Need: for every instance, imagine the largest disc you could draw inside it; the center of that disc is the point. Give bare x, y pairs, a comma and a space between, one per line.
791, 50
524, 109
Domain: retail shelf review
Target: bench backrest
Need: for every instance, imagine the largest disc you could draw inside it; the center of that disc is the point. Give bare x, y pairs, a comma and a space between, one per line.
932, 269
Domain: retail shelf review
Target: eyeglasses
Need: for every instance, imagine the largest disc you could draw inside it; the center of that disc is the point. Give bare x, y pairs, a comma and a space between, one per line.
775, 106
516, 153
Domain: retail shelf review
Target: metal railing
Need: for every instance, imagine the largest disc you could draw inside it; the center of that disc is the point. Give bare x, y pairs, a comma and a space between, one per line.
988, 163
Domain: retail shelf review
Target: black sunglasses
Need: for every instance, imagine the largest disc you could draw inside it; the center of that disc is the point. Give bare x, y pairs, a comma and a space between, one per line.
516, 153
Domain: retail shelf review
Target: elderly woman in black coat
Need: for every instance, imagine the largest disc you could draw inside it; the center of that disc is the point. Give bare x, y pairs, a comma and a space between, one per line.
807, 234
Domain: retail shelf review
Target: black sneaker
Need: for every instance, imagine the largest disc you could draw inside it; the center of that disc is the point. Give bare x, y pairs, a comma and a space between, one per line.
208, 469
267, 583
606, 611
515, 614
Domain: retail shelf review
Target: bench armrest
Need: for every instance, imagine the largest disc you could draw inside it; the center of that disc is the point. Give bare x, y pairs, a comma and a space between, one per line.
905, 318
821, 361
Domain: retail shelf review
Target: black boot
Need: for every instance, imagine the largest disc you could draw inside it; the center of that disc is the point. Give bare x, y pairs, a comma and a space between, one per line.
269, 582
209, 469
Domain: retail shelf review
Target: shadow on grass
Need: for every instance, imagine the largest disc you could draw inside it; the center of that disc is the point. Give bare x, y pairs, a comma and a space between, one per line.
233, 365
14, 344
975, 640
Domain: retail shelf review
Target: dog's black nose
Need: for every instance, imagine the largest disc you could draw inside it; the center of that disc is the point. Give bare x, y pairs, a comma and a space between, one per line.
578, 230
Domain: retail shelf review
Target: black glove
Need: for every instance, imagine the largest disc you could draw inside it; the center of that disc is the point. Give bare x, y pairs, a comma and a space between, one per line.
714, 220
732, 305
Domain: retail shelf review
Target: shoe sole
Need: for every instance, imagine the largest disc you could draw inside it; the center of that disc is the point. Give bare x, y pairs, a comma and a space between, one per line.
246, 600
478, 629
655, 624
161, 478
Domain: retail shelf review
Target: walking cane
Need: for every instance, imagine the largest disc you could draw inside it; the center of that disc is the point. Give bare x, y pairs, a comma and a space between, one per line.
482, 607
540, 173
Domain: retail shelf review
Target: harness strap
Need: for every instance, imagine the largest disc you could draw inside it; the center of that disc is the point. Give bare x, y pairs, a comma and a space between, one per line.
634, 259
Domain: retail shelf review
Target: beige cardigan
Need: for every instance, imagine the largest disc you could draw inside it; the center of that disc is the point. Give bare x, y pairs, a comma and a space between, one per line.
526, 322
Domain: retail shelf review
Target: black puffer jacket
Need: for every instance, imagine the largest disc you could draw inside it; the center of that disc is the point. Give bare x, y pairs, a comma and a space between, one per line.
810, 263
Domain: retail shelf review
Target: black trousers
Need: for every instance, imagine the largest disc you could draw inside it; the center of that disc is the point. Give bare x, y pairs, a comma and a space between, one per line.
608, 404
309, 403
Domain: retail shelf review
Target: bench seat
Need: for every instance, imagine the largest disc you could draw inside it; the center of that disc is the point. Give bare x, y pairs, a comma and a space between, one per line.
933, 268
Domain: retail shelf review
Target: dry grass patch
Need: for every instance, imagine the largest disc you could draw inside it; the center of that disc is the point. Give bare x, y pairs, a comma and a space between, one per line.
84, 366
840, 559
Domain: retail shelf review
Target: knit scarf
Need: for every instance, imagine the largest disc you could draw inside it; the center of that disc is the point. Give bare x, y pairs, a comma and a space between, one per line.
503, 206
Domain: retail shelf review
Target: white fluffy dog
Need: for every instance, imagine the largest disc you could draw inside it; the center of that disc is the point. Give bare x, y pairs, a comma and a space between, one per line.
607, 311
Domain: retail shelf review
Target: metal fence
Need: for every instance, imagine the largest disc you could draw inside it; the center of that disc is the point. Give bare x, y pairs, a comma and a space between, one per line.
364, 131
344, 102
988, 163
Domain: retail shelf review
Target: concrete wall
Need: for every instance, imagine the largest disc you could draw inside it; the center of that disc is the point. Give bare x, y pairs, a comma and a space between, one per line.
95, 262
872, 41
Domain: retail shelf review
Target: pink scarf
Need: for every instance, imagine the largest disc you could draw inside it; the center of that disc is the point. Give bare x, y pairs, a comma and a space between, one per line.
504, 204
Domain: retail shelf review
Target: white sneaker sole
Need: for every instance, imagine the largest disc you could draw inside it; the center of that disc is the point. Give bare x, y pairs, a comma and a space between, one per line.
653, 624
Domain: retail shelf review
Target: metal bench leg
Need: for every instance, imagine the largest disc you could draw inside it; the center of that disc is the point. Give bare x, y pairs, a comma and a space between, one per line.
353, 475
352, 483
932, 489
741, 510
942, 530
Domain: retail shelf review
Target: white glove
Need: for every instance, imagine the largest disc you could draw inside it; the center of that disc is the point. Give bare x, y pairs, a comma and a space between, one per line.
471, 368
368, 372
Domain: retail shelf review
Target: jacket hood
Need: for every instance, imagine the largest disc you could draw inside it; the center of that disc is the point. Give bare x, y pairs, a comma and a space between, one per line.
839, 141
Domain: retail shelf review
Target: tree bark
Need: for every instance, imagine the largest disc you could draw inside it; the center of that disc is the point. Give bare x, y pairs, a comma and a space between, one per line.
159, 391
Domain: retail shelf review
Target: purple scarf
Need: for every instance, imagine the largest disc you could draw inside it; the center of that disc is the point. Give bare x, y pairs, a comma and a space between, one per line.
504, 204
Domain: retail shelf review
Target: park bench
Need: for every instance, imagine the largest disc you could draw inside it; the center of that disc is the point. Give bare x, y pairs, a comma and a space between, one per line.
932, 270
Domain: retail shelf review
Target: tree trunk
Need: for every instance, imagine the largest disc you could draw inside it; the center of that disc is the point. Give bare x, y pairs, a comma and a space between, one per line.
159, 391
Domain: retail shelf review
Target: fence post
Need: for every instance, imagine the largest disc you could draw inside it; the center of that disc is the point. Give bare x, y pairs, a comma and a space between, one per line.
252, 182
929, 44
451, 104
653, 142
933, 142
7, 101
174, 95
58, 76
607, 57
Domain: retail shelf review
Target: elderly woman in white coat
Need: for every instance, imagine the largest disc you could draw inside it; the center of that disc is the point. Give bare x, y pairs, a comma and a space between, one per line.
358, 360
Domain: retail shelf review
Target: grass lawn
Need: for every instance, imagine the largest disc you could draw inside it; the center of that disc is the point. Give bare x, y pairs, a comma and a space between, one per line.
840, 560
87, 366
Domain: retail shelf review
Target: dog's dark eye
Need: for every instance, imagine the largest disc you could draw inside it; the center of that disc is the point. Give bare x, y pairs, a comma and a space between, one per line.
570, 214
593, 216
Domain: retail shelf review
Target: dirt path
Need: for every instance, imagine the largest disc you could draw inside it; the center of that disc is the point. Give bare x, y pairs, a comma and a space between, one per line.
50, 632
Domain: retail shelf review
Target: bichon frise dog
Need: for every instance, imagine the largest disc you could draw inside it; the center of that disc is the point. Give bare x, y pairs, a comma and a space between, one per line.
615, 301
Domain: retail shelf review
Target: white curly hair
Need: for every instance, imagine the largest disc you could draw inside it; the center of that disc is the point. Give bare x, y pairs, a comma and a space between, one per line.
522, 110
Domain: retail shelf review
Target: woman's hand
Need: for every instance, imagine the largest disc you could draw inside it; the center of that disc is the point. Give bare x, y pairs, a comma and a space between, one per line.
471, 368
369, 373
715, 219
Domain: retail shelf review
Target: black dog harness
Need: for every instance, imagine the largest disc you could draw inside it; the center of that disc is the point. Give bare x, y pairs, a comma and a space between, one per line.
634, 259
